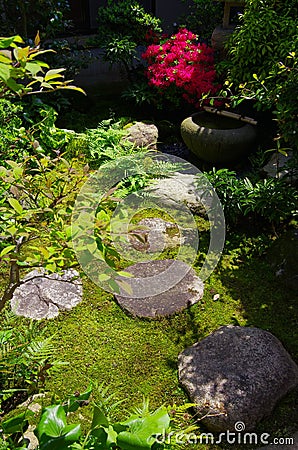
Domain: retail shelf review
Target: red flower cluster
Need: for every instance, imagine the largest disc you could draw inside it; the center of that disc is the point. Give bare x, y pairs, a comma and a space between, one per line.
182, 62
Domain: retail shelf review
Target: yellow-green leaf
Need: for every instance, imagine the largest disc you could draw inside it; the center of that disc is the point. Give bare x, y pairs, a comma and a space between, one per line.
37, 39
21, 53
16, 205
7, 250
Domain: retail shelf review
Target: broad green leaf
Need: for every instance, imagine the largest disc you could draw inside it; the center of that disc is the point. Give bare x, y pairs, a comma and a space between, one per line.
33, 68
4, 72
16, 424
71, 434
14, 86
7, 250
16, 205
98, 418
5, 59
122, 273
125, 286
21, 53
74, 402
6, 42
103, 277
53, 73
52, 421
141, 430
52, 431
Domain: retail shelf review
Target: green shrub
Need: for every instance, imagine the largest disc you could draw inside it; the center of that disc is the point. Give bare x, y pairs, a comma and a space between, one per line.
143, 429
123, 26
272, 199
27, 129
26, 17
263, 65
202, 17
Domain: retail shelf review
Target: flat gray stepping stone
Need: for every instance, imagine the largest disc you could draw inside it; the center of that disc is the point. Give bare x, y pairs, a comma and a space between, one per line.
180, 188
156, 235
42, 295
175, 297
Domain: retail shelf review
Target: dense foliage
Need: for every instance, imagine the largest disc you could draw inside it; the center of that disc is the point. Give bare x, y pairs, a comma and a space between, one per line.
202, 17
271, 200
25, 17
123, 26
181, 68
143, 429
22, 73
26, 359
263, 63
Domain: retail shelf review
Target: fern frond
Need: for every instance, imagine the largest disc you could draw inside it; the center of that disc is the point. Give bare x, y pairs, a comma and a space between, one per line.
40, 350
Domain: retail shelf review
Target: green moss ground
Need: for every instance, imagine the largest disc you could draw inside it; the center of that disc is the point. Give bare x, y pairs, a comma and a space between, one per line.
136, 357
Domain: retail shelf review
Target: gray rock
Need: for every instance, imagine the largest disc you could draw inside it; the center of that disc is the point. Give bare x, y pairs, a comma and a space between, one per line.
42, 295
180, 188
279, 166
240, 371
143, 135
180, 295
156, 235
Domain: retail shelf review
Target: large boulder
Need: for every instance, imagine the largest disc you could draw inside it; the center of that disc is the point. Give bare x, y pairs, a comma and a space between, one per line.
236, 374
42, 295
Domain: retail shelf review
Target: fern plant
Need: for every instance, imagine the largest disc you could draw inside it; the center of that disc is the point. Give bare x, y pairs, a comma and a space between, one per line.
26, 359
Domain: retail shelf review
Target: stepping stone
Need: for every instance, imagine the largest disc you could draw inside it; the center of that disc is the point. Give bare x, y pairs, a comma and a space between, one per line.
156, 234
42, 295
180, 188
236, 376
160, 288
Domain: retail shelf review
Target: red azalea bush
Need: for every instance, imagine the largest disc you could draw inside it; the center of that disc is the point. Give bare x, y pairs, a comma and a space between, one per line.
180, 66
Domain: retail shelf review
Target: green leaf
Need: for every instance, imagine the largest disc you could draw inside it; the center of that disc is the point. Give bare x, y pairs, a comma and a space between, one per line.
52, 431
99, 419
7, 250
33, 68
53, 73
16, 424
6, 42
74, 88
16, 205
4, 72
74, 402
141, 430
52, 421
